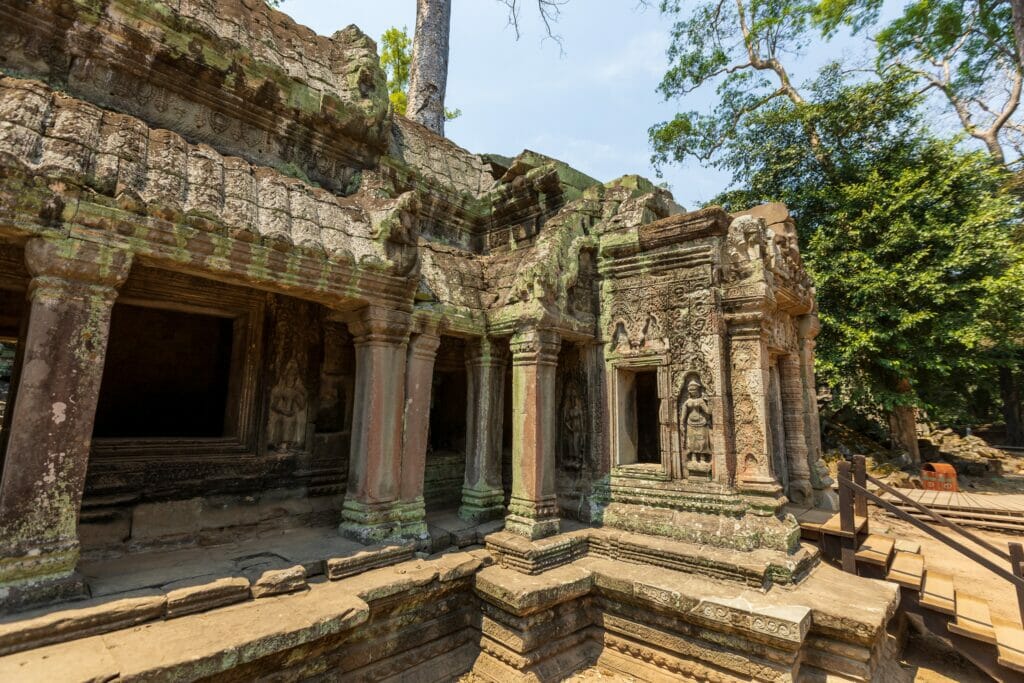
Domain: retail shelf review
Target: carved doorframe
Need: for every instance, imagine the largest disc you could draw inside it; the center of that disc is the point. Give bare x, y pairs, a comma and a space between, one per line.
622, 423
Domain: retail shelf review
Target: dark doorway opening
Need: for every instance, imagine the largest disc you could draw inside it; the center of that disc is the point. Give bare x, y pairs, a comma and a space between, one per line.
446, 447
648, 447
12, 310
167, 375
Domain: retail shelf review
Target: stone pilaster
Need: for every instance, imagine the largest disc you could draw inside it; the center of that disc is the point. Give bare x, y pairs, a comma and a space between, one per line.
482, 495
533, 510
418, 380
372, 508
70, 298
821, 483
749, 381
800, 491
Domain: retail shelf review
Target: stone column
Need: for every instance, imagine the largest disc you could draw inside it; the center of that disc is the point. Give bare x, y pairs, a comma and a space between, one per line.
372, 509
419, 378
533, 510
821, 483
483, 498
749, 380
800, 491
70, 298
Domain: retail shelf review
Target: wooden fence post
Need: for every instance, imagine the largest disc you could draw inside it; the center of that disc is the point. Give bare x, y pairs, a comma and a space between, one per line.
847, 521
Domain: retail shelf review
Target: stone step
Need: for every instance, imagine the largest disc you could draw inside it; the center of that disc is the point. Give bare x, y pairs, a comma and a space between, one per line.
937, 592
907, 570
876, 549
1010, 643
973, 618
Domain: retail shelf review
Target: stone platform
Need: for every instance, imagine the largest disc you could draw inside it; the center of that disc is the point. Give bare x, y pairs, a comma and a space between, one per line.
434, 619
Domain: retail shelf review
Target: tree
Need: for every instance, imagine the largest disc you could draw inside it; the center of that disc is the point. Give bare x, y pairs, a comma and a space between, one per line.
964, 50
428, 73
910, 239
396, 60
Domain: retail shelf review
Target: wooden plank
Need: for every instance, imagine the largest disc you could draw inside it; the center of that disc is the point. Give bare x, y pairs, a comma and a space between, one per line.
973, 618
1010, 642
832, 526
905, 545
937, 592
876, 549
907, 570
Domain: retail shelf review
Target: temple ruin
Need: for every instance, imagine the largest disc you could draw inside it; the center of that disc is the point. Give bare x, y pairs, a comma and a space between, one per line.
299, 389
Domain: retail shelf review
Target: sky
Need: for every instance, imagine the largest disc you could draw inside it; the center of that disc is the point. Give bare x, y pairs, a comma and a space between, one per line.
589, 104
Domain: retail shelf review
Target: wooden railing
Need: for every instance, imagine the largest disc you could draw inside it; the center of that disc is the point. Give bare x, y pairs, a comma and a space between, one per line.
853, 502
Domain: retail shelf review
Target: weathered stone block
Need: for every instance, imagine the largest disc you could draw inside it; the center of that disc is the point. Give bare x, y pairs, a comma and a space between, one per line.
204, 593
269, 579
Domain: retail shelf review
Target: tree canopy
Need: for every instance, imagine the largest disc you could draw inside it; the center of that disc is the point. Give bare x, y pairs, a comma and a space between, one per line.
914, 239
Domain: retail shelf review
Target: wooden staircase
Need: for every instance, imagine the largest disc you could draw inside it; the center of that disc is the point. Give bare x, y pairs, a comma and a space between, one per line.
995, 645
929, 595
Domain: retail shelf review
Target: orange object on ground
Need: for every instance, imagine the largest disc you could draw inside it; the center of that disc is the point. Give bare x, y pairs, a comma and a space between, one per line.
938, 476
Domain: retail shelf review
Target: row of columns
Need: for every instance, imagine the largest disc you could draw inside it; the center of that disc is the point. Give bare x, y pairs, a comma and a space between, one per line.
49, 428
394, 373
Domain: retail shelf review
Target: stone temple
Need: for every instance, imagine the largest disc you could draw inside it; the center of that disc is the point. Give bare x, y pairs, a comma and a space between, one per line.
299, 390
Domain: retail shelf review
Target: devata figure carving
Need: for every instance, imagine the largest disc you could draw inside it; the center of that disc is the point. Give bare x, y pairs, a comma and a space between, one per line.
288, 410
695, 422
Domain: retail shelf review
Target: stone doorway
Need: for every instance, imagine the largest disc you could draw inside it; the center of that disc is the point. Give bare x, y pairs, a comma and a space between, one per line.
647, 405
167, 375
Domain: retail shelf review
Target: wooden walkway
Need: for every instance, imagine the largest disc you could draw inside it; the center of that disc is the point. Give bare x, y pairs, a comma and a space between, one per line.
1000, 512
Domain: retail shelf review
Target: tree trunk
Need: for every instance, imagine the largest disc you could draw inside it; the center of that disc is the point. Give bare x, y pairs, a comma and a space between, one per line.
903, 426
1013, 410
903, 430
1018, 26
428, 76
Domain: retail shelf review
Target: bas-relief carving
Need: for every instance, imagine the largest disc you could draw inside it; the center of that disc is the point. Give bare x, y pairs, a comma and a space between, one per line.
695, 424
288, 403
290, 395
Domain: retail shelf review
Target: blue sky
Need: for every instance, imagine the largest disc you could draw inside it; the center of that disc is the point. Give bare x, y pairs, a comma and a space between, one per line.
590, 106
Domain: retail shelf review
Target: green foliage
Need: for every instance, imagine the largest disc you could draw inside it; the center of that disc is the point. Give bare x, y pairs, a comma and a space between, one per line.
396, 60
914, 244
963, 50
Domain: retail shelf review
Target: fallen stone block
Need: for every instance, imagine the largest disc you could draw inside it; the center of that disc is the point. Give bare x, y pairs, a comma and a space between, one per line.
267, 581
372, 558
204, 593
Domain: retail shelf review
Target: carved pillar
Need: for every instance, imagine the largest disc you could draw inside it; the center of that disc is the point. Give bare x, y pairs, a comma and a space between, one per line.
533, 510
482, 495
800, 491
372, 511
749, 385
418, 381
71, 296
821, 483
